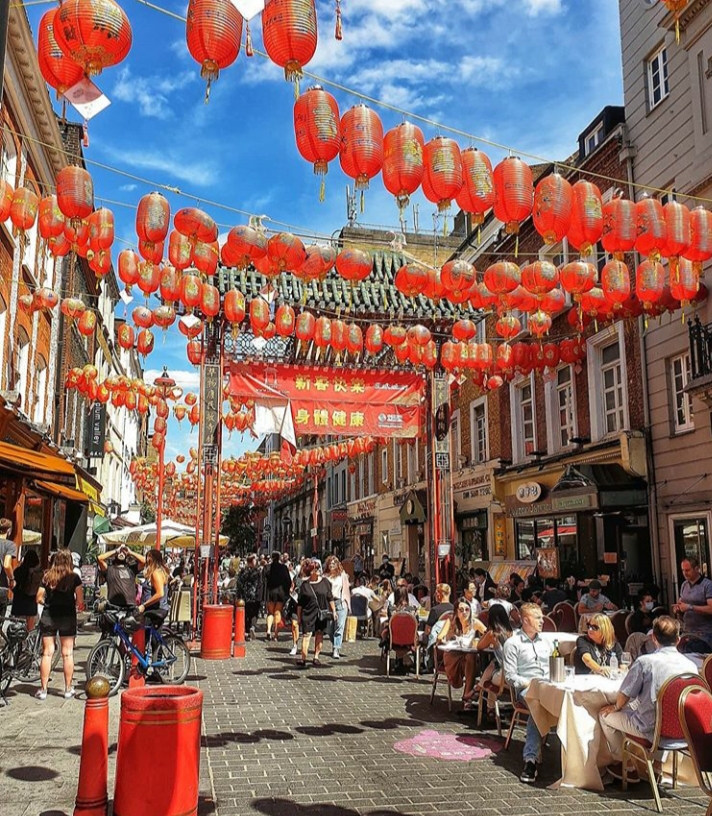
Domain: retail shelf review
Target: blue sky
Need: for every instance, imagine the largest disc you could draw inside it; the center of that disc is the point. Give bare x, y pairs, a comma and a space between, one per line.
527, 73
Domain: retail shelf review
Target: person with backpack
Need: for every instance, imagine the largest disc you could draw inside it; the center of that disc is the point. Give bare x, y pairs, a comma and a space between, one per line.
8, 552
28, 577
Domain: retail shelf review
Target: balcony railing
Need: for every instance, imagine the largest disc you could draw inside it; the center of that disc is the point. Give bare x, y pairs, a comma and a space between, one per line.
700, 348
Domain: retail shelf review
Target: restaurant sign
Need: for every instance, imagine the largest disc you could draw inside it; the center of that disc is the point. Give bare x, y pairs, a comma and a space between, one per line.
557, 504
529, 492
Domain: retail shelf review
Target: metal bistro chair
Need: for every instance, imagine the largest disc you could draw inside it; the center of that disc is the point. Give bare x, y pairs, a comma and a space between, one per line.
706, 671
403, 631
565, 616
520, 715
485, 688
618, 621
549, 624
668, 735
439, 667
359, 610
695, 711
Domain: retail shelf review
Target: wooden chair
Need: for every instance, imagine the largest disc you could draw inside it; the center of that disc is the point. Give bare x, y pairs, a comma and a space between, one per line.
668, 735
549, 624
515, 617
439, 669
706, 671
520, 715
618, 620
485, 688
695, 712
403, 632
359, 610
628, 623
565, 617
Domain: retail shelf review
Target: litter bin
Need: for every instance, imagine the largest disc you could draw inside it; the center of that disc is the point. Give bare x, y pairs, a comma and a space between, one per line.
159, 735
216, 637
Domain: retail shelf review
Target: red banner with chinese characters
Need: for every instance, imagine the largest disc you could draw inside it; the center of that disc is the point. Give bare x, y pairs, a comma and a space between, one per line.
334, 401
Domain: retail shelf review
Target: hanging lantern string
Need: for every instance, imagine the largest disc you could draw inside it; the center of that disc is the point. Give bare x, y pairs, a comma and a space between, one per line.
438, 126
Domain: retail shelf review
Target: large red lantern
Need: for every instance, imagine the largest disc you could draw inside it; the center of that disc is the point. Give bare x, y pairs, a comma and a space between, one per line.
205, 257
125, 336
101, 229
508, 326
7, 191
72, 307
354, 339
552, 302
190, 290
289, 33
649, 283
502, 277
443, 170
684, 282
651, 227
411, 280
403, 166
194, 351
319, 262
234, 307
619, 227
129, 263
514, 193
458, 276
153, 218
100, 263
317, 128
23, 211
354, 265
586, 217
209, 301
96, 34
540, 277
213, 32
142, 316
322, 332
700, 249
679, 234
434, 290
259, 315
180, 250
594, 302
245, 244
144, 342
75, 189
196, 225
149, 277
170, 284
615, 282
59, 71
551, 214
374, 339
477, 194
87, 323
286, 252
463, 330
578, 277
361, 153
284, 320
450, 355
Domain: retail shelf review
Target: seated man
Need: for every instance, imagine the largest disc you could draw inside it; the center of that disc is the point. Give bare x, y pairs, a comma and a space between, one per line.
552, 594
635, 706
470, 595
412, 600
594, 601
526, 656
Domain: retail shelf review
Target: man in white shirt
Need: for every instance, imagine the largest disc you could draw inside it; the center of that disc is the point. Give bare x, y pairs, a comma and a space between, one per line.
526, 657
470, 595
368, 592
412, 600
635, 708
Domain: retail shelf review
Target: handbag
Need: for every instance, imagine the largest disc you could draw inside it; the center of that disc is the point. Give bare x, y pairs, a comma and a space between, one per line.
323, 615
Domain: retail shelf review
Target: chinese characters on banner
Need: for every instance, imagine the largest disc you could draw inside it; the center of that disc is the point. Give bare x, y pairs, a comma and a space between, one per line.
213, 400
339, 403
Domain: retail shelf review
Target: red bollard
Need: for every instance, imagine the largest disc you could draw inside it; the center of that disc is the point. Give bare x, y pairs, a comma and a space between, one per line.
92, 799
216, 637
238, 649
136, 677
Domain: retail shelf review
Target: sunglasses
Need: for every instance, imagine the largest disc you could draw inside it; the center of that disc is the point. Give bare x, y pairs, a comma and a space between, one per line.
593, 627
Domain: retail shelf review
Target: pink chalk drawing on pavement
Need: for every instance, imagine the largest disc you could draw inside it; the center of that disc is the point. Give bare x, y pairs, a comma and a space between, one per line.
449, 747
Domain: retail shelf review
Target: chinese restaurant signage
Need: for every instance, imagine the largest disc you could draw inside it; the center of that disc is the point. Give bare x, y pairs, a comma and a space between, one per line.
338, 402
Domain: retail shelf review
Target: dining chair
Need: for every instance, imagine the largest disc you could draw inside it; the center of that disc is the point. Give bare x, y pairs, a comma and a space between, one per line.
706, 671
515, 617
403, 631
618, 620
483, 617
695, 712
565, 616
668, 735
629, 623
549, 624
359, 610
486, 687
520, 715
439, 669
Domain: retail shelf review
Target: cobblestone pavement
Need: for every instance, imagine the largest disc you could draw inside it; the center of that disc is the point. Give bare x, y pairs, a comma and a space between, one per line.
284, 741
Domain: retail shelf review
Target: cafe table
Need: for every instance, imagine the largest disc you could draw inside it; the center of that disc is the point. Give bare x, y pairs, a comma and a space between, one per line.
572, 708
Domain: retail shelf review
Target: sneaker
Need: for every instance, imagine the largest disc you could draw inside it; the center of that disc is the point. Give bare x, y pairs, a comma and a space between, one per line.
294, 651
529, 773
41, 694
335, 654
69, 693
252, 632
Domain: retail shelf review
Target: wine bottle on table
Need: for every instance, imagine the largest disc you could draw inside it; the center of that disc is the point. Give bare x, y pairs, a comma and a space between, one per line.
556, 652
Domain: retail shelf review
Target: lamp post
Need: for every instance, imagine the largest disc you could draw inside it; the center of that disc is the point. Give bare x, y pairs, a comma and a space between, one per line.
164, 386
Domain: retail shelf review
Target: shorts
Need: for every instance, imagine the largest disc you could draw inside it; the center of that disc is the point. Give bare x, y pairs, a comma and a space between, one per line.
276, 595
62, 625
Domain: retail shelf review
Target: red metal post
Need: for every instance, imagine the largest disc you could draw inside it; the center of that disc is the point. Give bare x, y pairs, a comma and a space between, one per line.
238, 649
92, 798
136, 678
198, 512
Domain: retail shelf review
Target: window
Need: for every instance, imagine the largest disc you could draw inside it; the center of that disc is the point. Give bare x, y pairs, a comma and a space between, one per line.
371, 487
559, 532
343, 485
384, 466
561, 409
691, 538
398, 463
455, 448
607, 383
3, 326
478, 431
593, 139
658, 85
523, 419
40, 390
412, 461
361, 478
681, 402
22, 361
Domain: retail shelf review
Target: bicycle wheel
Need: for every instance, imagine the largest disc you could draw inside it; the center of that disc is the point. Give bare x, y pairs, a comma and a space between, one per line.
105, 660
28, 670
174, 659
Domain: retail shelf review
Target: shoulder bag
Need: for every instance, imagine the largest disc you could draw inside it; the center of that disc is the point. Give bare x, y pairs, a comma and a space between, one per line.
323, 615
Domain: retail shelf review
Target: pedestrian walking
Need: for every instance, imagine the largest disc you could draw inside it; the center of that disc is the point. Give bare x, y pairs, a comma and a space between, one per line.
340, 590
249, 588
315, 610
28, 577
61, 593
8, 551
278, 583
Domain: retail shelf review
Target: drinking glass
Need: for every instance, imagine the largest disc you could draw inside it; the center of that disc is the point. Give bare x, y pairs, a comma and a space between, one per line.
569, 672
625, 661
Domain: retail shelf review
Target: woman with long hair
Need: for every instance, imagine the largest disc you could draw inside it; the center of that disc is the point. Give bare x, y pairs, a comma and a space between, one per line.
499, 630
154, 592
461, 666
61, 593
28, 577
315, 610
278, 585
339, 580
595, 649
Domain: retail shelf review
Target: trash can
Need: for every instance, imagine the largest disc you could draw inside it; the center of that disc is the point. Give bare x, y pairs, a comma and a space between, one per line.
159, 735
216, 637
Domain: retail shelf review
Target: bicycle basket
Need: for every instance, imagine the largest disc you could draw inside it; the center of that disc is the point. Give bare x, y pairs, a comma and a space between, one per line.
17, 630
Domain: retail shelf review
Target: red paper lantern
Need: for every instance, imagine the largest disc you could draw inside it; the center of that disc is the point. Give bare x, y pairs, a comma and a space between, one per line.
539, 323
244, 246
142, 317
259, 314
463, 330
552, 302
338, 336
75, 188
6, 194
551, 214
125, 336
411, 280
101, 229
23, 211
450, 355
77, 233
508, 326
594, 301
361, 154
213, 32
354, 339
194, 352
679, 233
205, 256
443, 171
87, 323
153, 218
180, 250
619, 227
285, 320
286, 252
144, 342
129, 263
164, 316
481, 297
700, 248
319, 262
501, 277
59, 246
578, 277
354, 265
149, 277
196, 225
47, 298
649, 283
305, 326
317, 128
457, 277
514, 194
403, 166
73, 308
59, 71
96, 34
190, 291
374, 339
234, 307
170, 284
434, 290
615, 282
586, 217
477, 193
322, 332
539, 277
100, 263
289, 33
395, 335
651, 227
684, 281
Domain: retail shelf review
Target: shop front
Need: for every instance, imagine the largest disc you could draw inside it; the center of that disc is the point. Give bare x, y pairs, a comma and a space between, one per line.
475, 512
587, 520
412, 516
361, 519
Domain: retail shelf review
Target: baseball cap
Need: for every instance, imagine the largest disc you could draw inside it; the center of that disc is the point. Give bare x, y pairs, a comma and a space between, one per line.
595, 584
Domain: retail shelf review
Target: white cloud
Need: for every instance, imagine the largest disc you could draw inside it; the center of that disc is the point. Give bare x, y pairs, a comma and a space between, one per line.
201, 173
535, 7
152, 93
128, 188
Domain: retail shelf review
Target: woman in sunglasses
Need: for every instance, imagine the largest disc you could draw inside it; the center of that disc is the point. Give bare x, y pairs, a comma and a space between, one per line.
595, 649
461, 666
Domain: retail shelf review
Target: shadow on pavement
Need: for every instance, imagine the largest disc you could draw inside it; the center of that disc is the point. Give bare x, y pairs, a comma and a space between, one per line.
288, 807
32, 773
328, 730
242, 737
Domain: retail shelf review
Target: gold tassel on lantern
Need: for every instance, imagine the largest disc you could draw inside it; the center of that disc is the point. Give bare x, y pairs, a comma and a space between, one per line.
249, 51
339, 33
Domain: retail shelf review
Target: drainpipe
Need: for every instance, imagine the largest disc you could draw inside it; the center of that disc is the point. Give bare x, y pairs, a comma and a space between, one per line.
650, 459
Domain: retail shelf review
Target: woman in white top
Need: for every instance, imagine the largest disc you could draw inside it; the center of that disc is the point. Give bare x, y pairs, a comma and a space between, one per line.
342, 599
501, 597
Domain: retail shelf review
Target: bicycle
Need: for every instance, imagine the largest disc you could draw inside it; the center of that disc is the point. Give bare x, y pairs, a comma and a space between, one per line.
165, 658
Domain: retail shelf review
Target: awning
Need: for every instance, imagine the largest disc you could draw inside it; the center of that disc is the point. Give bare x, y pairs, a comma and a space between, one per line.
59, 491
43, 465
96, 509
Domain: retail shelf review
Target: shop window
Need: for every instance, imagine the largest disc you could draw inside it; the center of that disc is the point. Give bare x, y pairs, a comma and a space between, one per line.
561, 409
658, 82
384, 466
412, 462
681, 401
398, 464
559, 532
691, 535
478, 431
523, 419
455, 441
607, 382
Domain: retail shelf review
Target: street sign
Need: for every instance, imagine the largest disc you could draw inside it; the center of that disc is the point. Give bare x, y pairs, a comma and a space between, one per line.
313, 532
212, 399
442, 422
442, 461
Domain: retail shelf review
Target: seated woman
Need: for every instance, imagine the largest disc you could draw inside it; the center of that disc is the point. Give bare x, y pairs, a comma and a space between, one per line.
401, 603
502, 598
461, 666
499, 630
642, 620
595, 649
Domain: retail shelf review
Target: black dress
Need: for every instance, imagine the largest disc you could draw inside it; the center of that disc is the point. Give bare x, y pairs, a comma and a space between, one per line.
278, 582
24, 596
313, 596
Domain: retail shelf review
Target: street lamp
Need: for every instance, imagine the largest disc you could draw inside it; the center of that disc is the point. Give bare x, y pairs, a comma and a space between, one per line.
164, 387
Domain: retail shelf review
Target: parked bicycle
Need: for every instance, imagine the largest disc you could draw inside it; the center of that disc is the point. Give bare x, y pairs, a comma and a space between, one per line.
20, 654
165, 658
